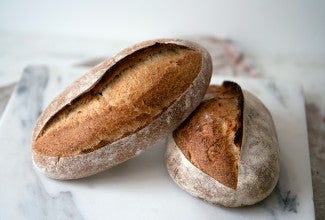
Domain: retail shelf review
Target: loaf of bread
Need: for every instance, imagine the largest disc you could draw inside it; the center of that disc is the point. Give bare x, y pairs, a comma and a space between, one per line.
226, 152
120, 107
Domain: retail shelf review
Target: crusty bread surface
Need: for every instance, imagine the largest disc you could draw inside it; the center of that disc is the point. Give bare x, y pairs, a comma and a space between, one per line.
211, 138
120, 107
132, 95
226, 152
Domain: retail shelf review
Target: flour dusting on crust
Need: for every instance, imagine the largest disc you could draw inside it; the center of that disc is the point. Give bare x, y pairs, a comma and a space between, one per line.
87, 164
258, 165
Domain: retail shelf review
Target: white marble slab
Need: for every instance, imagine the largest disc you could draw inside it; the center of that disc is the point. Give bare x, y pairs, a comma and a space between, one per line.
140, 188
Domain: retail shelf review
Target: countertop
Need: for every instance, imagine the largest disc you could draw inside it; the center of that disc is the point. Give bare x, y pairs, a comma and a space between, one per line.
21, 50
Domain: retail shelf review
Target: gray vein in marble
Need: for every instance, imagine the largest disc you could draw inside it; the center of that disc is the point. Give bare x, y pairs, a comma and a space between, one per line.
276, 92
316, 137
289, 202
34, 202
280, 200
5, 93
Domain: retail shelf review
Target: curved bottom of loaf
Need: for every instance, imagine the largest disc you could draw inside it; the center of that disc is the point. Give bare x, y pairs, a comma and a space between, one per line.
258, 168
201, 185
78, 166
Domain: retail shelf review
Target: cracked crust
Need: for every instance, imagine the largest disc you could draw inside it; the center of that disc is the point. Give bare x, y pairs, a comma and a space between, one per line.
258, 165
103, 154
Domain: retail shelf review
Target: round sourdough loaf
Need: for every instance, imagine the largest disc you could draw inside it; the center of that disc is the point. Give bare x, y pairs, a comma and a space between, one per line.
120, 107
226, 152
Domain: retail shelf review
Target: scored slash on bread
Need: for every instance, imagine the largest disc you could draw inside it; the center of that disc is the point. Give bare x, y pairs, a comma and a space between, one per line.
126, 99
211, 138
226, 152
120, 107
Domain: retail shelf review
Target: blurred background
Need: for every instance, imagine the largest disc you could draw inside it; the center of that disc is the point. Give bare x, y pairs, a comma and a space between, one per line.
291, 26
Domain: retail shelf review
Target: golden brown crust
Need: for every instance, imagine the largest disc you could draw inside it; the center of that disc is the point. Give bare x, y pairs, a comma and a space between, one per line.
258, 165
211, 137
130, 95
90, 161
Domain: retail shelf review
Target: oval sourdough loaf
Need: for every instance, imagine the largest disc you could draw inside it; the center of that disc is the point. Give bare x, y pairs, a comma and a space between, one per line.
120, 107
226, 152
